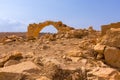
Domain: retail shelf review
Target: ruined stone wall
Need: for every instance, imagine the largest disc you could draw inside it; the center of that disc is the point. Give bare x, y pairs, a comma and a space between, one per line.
104, 28
109, 47
34, 29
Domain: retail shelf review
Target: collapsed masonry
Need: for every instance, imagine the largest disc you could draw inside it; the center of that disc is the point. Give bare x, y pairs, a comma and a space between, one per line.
109, 44
104, 28
34, 29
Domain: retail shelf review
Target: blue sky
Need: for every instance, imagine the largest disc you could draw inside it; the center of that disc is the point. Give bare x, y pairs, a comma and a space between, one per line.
15, 15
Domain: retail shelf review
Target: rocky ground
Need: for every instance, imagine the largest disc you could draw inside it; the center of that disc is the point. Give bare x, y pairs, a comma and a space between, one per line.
78, 55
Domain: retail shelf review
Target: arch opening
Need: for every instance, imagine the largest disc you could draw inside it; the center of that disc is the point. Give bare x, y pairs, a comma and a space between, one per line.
49, 29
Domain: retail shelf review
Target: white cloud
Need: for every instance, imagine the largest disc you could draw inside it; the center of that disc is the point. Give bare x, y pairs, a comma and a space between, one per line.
7, 25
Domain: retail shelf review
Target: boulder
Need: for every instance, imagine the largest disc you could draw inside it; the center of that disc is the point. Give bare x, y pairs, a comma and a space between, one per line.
20, 68
99, 48
14, 55
112, 56
74, 53
11, 62
99, 56
11, 38
10, 76
7, 41
105, 74
74, 59
22, 71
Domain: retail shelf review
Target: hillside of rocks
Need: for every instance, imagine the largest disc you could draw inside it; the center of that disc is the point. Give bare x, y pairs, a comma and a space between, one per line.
73, 54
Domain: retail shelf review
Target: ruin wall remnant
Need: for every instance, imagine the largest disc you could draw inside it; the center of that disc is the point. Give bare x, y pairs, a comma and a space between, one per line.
34, 29
104, 28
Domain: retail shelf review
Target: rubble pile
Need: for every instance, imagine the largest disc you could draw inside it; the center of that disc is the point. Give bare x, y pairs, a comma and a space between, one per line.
70, 54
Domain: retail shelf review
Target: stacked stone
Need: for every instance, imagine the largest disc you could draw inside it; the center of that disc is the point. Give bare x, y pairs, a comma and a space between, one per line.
109, 46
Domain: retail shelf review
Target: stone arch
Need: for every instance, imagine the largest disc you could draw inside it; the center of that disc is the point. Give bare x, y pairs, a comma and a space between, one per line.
34, 29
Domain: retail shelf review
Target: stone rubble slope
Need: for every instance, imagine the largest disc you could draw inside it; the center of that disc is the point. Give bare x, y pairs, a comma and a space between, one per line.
76, 54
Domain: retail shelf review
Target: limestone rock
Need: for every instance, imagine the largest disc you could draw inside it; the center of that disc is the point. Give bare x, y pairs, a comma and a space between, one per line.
10, 76
7, 41
99, 56
112, 38
75, 59
74, 53
11, 62
105, 28
99, 48
14, 55
112, 56
28, 55
11, 38
20, 68
78, 33
105, 74
43, 78
22, 71
62, 72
